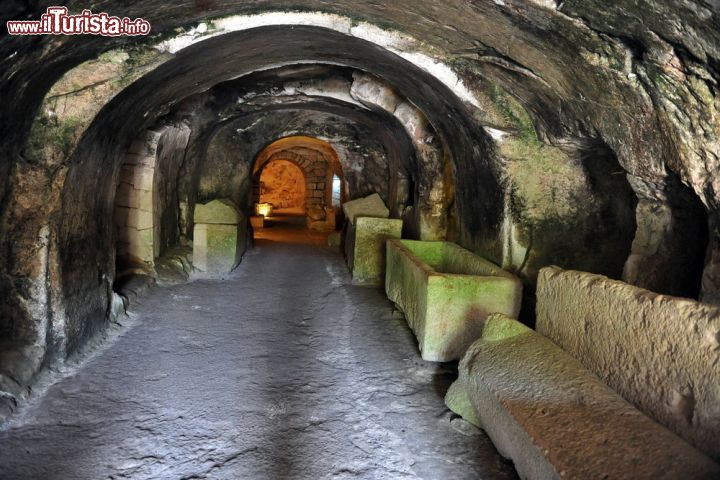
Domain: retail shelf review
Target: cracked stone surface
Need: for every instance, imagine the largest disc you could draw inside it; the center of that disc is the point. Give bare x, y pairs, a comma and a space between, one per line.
285, 370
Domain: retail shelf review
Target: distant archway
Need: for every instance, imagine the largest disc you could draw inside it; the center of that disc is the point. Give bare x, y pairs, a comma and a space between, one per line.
325, 188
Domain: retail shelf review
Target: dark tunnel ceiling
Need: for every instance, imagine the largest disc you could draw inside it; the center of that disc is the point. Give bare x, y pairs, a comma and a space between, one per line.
527, 46
204, 65
372, 125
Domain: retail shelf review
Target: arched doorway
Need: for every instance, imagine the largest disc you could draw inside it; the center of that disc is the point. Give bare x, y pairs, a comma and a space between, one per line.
302, 179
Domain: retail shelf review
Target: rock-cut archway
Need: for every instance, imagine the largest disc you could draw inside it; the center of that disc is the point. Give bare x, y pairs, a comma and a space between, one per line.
320, 165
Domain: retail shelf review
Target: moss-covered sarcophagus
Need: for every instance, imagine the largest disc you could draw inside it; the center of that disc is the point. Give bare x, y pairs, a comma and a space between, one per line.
446, 293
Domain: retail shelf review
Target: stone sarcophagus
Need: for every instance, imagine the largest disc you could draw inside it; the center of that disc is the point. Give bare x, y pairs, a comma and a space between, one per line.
446, 293
659, 352
368, 227
365, 247
556, 419
219, 238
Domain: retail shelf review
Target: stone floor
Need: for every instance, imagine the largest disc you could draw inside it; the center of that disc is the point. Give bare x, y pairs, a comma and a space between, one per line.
289, 227
285, 370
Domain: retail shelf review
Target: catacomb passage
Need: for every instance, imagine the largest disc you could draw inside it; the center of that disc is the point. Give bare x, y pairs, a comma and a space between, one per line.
341, 239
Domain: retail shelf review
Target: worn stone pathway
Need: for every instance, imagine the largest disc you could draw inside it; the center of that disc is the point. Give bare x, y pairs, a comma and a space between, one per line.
284, 371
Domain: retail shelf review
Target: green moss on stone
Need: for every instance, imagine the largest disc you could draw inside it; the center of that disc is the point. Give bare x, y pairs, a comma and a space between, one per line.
216, 247
501, 327
458, 400
514, 114
369, 252
78, 96
544, 181
447, 300
220, 211
52, 137
702, 90
446, 257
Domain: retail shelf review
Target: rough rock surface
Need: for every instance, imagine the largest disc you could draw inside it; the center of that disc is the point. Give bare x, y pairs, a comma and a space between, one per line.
218, 249
284, 371
555, 419
370, 206
282, 184
660, 353
222, 212
447, 293
175, 266
369, 235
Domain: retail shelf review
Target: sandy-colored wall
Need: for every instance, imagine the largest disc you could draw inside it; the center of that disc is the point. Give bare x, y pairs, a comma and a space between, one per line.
283, 185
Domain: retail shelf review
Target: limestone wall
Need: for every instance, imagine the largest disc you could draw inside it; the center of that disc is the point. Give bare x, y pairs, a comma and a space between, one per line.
134, 219
661, 353
146, 203
282, 184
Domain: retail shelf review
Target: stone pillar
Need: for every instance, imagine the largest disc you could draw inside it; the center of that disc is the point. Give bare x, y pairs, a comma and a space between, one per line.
432, 203
219, 239
134, 212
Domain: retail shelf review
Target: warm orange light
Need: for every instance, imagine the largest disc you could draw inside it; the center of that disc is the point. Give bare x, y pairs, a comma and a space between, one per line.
264, 209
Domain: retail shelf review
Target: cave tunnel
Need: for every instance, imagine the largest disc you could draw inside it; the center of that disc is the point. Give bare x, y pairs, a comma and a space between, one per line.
360, 240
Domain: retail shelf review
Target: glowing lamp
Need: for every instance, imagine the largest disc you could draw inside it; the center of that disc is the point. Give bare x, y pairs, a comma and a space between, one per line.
264, 209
